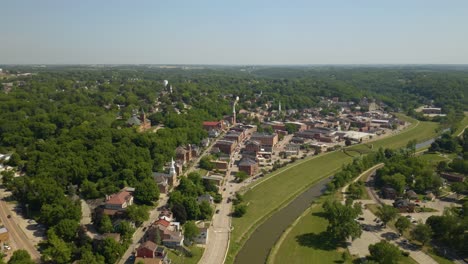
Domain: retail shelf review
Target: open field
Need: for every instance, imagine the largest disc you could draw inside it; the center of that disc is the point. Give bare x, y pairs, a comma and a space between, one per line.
305, 242
463, 125
419, 131
281, 187
308, 243
435, 158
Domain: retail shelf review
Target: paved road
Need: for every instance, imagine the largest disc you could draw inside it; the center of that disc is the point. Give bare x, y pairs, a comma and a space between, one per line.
139, 233
219, 231
18, 239
375, 233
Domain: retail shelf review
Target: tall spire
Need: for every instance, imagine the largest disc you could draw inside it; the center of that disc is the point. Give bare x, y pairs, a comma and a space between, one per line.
279, 108
172, 171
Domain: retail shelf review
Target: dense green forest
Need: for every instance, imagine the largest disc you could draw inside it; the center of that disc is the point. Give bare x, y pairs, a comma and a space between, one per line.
66, 125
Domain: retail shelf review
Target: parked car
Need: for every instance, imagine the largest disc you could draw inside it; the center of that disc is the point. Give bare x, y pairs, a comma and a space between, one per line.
361, 219
217, 211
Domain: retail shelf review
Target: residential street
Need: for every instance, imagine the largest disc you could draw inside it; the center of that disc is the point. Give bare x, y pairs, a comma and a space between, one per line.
139, 233
18, 240
219, 233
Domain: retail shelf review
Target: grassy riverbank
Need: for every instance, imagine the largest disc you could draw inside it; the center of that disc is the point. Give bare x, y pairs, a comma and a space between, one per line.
281, 187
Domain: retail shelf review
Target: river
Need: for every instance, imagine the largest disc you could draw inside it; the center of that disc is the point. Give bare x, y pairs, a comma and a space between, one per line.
257, 248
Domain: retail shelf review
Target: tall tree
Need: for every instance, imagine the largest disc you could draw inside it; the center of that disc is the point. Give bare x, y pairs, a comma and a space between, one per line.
147, 191
191, 230
402, 224
387, 213
385, 253
341, 220
137, 214
21, 256
422, 233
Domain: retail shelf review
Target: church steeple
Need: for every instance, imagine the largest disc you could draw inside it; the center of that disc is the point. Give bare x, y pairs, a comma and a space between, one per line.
172, 171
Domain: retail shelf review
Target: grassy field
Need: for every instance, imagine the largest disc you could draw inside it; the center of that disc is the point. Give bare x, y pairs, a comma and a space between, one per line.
279, 188
434, 158
181, 259
308, 244
463, 124
311, 245
276, 191
419, 131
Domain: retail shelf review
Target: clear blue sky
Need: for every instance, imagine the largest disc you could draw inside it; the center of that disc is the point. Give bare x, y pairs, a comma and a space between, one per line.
234, 32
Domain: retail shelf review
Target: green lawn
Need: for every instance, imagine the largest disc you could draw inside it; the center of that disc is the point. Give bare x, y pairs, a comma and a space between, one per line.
436, 257
179, 258
420, 131
280, 187
463, 124
305, 242
434, 158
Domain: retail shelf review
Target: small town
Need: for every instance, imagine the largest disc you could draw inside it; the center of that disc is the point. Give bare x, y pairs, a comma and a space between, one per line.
240, 149
234, 132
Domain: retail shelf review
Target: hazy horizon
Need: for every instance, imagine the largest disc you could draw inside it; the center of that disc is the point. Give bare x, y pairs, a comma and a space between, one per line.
257, 33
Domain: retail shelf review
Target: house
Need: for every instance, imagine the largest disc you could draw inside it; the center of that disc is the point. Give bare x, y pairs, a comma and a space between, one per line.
184, 154
220, 165
389, 193
162, 222
248, 166
253, 146
166, 214
141, 122
432, 110
150, 250
411, 195
226, 146
429, 196
162, 182
265, 138
452, 176
234, 136
205, 142
202, 236
293, 148
297, 140
119, 201
196, 151
205, 197
161, 177
213, 125
213, 133
170, 234
404, 206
